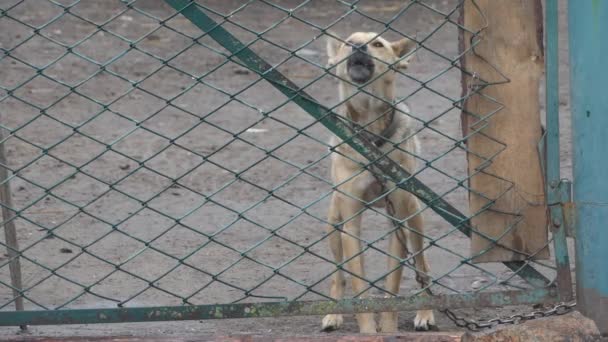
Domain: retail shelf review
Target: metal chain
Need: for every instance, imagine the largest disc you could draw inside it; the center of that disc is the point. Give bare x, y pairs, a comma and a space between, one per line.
474, 325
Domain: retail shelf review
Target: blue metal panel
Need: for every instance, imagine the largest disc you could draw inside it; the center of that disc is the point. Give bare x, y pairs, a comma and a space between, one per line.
588, 26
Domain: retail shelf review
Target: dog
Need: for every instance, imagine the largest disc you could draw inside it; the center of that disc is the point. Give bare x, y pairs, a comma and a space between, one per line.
367, 61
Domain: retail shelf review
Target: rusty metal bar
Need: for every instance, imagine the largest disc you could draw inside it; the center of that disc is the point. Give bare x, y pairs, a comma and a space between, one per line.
270, 309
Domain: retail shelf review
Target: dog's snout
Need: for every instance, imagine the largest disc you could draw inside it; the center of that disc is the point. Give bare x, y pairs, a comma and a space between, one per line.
360, 64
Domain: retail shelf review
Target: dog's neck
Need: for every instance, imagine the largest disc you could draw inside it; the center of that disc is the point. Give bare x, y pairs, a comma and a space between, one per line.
372, 109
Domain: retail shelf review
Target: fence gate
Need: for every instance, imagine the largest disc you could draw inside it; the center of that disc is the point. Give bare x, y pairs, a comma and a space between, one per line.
170, 161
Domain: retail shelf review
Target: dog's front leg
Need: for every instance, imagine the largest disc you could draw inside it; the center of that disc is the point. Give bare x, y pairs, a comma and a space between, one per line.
351, 243
334, 321
424, 319
388, 320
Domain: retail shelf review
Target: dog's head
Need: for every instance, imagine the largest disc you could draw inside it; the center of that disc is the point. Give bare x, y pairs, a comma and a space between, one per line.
364, 56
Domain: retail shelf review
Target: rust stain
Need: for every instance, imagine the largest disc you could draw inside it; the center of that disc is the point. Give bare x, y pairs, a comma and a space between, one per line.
538, 13
518, 243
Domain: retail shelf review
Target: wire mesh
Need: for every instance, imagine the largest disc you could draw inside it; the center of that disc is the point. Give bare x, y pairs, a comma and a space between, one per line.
151, 165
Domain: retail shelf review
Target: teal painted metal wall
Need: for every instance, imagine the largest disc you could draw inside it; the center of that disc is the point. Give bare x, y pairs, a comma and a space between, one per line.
588, 29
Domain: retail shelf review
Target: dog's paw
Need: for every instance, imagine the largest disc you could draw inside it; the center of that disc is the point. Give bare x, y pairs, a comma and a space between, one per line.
424, 321
331, 322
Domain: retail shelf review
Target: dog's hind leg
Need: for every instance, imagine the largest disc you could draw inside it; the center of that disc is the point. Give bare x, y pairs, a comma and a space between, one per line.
334, 321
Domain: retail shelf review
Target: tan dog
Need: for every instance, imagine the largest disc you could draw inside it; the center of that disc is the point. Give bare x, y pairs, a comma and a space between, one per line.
365, 57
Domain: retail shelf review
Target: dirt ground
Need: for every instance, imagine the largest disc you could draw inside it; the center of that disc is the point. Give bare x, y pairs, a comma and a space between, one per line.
130, 138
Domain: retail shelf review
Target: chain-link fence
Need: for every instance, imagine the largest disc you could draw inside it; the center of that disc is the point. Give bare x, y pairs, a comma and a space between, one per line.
170, 153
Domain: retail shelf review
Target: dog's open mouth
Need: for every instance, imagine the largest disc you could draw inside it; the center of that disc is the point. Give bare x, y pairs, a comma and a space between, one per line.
360, 67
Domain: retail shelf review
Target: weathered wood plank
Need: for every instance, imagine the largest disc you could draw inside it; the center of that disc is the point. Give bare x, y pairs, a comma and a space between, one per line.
506, 180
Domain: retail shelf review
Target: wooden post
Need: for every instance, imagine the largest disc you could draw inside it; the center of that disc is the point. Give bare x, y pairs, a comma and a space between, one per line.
10, 233
507, 189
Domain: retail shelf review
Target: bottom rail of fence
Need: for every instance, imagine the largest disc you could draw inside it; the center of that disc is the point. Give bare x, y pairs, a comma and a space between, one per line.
270, 309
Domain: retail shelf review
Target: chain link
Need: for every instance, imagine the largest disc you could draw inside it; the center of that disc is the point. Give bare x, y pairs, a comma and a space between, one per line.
558, 309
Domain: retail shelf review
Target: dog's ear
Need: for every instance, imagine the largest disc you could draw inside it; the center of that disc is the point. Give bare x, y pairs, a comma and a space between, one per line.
401, 48
333, 45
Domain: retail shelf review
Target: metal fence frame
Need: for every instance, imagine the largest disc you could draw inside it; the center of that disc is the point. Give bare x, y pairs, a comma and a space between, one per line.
557, 196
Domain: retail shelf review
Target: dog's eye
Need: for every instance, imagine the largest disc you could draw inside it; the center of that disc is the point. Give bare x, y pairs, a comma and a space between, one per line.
378, 44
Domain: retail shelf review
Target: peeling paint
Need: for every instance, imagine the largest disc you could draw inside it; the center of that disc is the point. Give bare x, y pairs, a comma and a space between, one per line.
218, 313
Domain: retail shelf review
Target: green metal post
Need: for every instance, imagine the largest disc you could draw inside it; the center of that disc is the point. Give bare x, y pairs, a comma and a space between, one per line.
554, 185
588, 24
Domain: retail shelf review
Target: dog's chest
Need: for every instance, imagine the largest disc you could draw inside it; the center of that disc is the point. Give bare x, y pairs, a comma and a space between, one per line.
371, 188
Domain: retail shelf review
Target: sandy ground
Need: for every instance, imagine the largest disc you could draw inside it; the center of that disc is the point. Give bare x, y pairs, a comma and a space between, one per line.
132, 139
